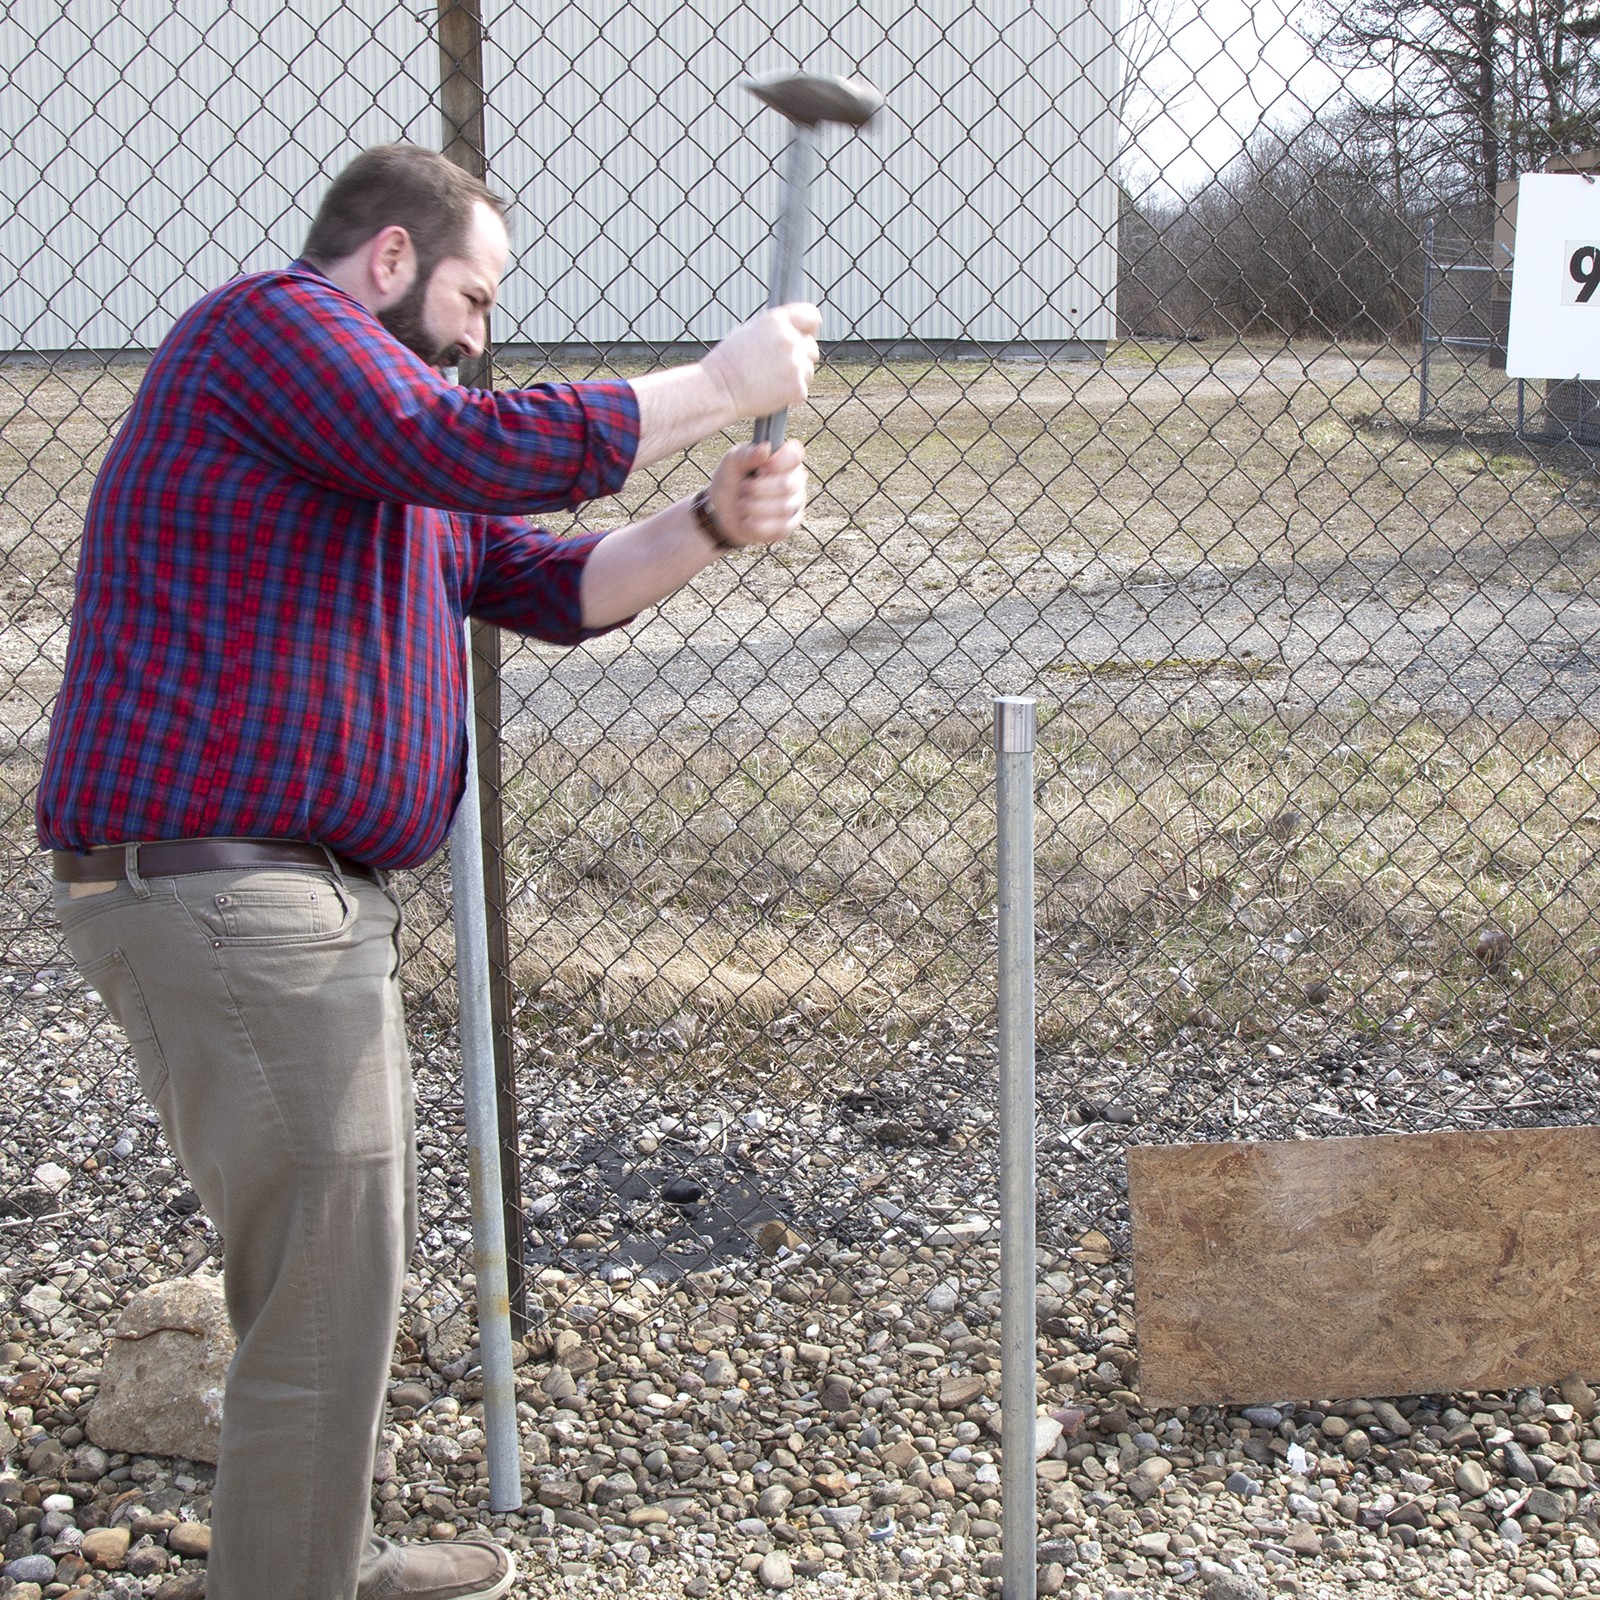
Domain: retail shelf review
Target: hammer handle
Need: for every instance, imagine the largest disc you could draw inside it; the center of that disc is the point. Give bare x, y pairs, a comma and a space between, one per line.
788, 250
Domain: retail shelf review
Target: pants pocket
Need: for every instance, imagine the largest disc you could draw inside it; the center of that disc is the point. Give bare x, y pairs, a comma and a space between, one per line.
111, 977
271, 908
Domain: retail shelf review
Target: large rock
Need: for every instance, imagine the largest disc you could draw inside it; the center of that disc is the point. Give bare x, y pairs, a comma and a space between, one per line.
161, 1389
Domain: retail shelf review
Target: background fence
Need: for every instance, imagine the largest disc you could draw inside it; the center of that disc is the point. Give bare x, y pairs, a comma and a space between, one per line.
1318, 773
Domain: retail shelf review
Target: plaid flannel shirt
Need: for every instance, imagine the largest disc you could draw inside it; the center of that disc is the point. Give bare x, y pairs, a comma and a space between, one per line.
278, 553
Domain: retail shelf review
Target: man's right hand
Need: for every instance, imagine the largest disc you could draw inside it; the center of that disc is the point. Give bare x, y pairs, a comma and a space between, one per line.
766, 364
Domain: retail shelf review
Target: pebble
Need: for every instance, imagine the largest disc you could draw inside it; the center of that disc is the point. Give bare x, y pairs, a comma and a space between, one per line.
825, 1417
775, 1571
31, 1569
1262, 1416
1234, 1586
190, 1539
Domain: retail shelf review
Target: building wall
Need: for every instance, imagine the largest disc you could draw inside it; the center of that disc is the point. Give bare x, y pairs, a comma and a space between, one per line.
157, 153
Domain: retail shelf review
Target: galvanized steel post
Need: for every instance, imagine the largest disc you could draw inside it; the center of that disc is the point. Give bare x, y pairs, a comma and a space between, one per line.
1014, 732
483, 1137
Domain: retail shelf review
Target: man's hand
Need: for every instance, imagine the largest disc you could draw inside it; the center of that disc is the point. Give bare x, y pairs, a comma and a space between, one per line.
758, 497
766, 364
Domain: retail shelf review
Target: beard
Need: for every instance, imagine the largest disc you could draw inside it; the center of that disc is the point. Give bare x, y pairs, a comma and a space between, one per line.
404, 321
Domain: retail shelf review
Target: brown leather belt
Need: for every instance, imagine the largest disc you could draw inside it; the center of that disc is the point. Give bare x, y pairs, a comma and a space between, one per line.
172, 858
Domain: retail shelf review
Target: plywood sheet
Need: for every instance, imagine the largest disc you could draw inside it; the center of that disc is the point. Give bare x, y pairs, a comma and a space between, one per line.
1340, 1268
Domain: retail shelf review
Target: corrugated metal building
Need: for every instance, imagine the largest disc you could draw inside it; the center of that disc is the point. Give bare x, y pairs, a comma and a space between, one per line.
153, 149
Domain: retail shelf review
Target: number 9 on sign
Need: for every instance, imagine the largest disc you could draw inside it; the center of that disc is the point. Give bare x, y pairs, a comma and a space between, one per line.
1583, 273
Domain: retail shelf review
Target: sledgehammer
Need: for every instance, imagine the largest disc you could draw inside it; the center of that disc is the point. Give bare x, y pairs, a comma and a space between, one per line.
807, 99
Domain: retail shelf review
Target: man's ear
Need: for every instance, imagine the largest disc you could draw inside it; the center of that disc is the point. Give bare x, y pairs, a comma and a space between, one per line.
392, 262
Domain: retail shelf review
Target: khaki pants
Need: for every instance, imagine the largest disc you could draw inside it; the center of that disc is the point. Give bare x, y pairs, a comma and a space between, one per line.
264, 1012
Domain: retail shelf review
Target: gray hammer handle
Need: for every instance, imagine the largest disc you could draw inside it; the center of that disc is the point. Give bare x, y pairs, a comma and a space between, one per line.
788, 251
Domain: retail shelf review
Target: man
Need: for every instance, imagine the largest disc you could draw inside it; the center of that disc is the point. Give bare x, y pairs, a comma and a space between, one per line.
263, 714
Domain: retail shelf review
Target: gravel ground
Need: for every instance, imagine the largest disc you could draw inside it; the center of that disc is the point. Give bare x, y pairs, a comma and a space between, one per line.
768, 1353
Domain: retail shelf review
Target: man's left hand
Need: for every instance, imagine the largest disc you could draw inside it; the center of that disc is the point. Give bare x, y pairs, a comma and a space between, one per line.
758, 496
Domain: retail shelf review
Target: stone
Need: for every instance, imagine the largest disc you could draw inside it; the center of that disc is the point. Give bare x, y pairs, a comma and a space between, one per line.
1145, 1481
1305, 1541
1262, 1416
185, 1586
774, 1500
775, 1571
88, 1465
52, 1176
165, 1364
415, 1395
106, 1547
1234, 1586
1578, 1394
1389, 1417
1408, 1514
956, 1394
1471, 1479
775, 1236
1356, 1444
31, 1569
1243, 1485
834, 1395
1544, 1505
1519, 1464
190, 1539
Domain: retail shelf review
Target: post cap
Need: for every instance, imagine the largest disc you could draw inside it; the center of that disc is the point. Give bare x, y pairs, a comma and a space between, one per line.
1014, 724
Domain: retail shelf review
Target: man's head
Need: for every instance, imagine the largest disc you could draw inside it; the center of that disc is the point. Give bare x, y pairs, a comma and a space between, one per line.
420, 243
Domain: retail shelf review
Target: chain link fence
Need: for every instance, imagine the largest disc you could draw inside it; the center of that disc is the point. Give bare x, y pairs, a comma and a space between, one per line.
1116, 416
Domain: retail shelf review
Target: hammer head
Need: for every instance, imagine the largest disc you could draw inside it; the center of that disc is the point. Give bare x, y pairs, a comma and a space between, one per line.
809, 98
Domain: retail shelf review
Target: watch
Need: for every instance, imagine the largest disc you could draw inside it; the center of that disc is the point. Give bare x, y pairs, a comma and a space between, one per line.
706, 520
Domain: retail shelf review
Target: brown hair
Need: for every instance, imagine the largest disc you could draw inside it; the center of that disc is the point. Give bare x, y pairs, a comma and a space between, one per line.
398, 185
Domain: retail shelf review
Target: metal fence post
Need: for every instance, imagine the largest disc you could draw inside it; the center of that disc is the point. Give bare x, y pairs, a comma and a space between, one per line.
1427, 309
478, 897
1014, 724
483, 1141
461, 105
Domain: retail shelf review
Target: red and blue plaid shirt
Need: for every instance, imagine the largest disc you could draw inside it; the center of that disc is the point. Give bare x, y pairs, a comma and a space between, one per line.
279, 549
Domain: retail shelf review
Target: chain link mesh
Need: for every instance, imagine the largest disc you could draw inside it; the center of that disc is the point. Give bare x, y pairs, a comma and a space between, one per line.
1111, 419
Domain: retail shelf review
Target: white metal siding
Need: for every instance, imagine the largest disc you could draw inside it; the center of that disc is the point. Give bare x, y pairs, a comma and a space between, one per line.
155, 151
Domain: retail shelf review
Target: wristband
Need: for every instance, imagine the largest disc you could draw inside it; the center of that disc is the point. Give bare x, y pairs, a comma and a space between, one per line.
706, 520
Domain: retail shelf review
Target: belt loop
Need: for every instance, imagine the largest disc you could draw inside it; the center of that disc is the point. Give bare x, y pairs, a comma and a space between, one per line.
333, 862
130, 858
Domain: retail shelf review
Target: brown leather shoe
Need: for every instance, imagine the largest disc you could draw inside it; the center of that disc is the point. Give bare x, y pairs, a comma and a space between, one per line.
453, 1569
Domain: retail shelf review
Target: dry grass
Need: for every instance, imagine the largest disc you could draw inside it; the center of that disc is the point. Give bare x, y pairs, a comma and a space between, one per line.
839, 877
1192, 878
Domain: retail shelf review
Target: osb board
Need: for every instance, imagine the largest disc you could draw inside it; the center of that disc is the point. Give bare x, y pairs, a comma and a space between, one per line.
1418, 1263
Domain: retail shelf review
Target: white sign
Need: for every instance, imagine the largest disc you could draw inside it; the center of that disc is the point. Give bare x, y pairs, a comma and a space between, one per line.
1555, 278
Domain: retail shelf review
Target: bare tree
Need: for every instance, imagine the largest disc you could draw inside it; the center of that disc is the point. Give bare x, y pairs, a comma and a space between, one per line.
1494, 87
1311, 231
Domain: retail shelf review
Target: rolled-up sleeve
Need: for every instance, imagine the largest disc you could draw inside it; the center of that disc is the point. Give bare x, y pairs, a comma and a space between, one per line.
307, 377
531, 582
